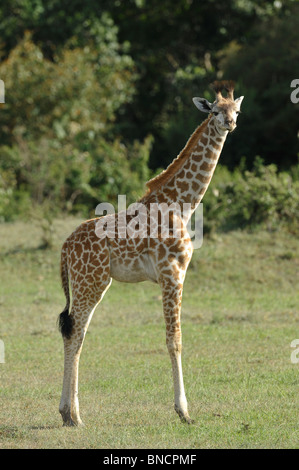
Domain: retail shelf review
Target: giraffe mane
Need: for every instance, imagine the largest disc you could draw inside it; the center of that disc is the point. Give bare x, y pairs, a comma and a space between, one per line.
160, 180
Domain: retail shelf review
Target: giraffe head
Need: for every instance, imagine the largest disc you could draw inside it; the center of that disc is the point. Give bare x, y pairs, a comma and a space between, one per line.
224, 109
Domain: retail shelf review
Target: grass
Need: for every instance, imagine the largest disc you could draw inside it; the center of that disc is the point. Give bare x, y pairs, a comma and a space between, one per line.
240, 314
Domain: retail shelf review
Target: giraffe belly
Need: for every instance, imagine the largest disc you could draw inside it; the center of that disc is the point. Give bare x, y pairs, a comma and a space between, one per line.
132, 270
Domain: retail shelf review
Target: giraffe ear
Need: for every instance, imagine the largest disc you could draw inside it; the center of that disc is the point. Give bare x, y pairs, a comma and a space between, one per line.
202, 104
238, 101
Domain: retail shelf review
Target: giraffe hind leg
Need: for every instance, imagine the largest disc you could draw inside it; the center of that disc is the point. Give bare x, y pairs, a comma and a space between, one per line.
80, 316
73, 342
86, 293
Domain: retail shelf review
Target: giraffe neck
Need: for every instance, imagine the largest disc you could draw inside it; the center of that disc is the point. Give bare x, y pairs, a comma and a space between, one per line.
200, 157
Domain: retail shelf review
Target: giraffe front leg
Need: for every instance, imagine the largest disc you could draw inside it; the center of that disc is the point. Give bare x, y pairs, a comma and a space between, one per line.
172, 297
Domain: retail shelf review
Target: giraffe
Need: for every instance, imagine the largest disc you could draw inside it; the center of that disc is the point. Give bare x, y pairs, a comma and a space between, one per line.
89, 261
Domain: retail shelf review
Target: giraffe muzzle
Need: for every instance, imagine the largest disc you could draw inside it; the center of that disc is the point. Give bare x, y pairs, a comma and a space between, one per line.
230, 126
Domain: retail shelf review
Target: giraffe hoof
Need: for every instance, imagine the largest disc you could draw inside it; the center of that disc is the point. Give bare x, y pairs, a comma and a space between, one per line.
67, 418
188, 420
71, 423
184, 417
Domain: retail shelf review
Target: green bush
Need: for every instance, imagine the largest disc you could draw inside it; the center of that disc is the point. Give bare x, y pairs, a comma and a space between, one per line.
13, 201
58, 144
248, 199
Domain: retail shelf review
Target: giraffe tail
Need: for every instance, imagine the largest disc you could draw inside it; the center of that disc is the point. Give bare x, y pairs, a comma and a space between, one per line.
65, 321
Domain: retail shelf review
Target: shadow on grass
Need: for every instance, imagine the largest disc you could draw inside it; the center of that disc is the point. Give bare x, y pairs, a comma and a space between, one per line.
15, 432
24, 250
43, 428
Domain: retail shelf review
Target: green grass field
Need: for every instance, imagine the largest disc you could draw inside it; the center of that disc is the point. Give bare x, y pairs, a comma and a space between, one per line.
240, 314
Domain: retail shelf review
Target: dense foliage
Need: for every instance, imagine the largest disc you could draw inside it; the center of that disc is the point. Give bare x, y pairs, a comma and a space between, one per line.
56, 128
247, 199
98, 97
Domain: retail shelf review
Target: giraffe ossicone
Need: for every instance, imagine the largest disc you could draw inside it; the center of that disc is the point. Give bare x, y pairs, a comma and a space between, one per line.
147, 252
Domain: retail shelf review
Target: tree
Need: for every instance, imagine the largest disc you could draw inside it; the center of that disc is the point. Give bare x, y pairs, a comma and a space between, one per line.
265, 69
56, 126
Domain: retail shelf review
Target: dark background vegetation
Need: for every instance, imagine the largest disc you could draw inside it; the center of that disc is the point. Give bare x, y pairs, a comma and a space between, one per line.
99, 99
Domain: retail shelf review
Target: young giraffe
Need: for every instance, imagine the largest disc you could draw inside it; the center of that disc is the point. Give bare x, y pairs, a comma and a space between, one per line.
90, 261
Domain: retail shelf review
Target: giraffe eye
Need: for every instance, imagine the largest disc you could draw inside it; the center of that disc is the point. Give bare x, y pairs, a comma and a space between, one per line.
215, 113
